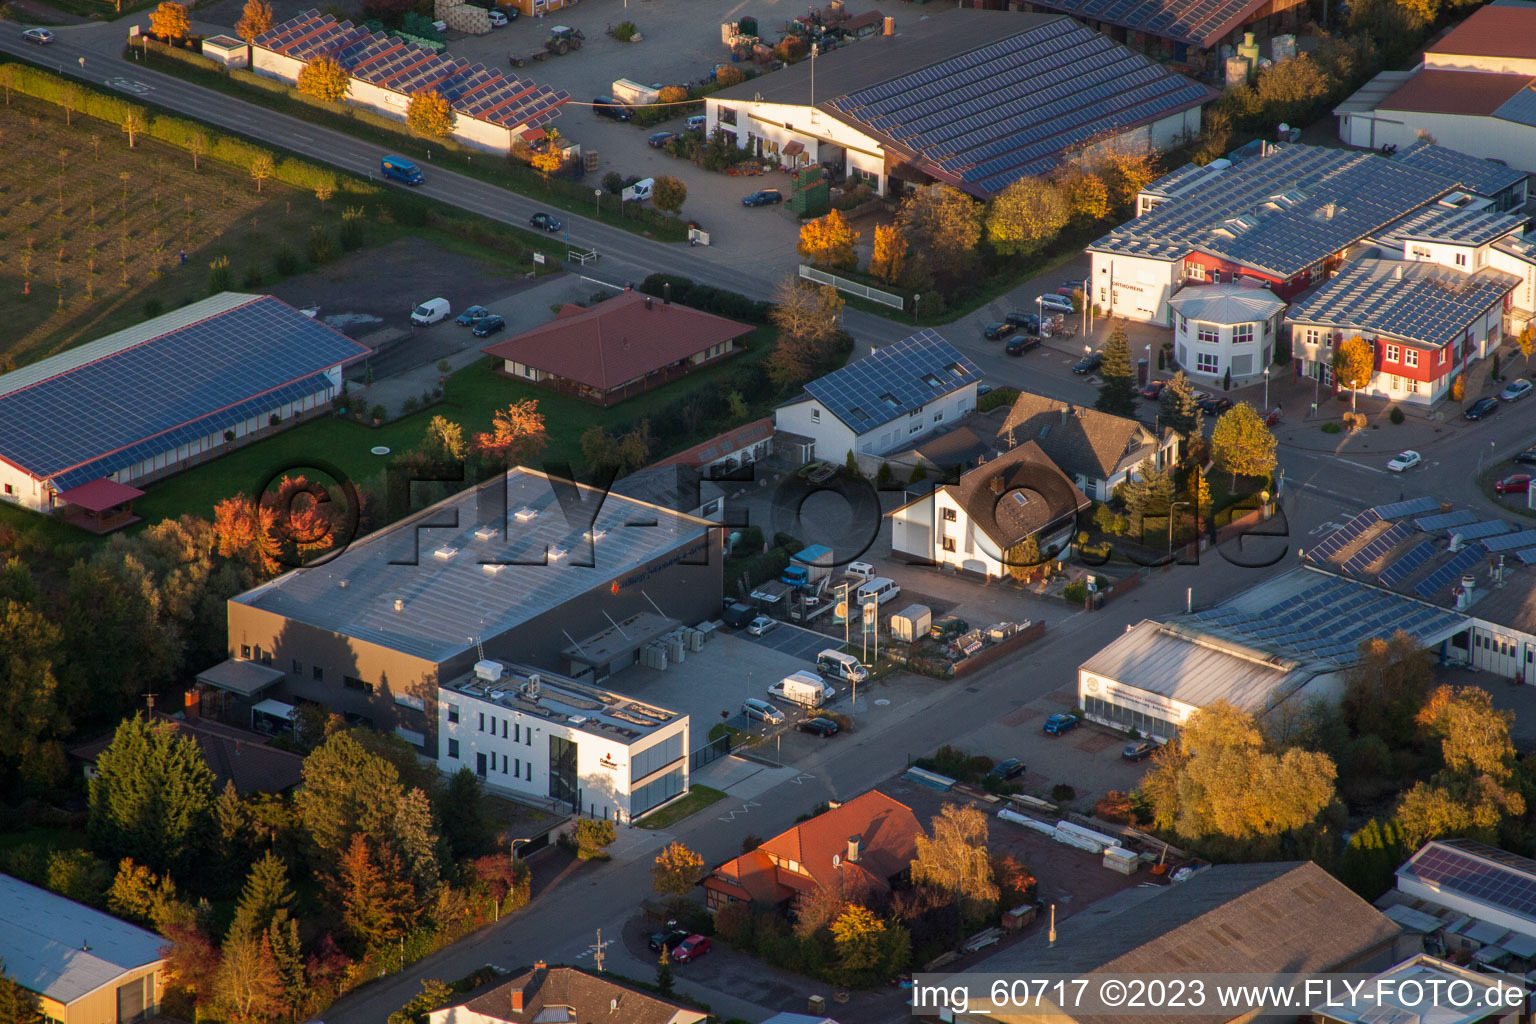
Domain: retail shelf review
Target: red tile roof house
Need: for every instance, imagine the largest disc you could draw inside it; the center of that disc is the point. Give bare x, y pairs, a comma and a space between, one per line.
563, 995
618, 348
872, 837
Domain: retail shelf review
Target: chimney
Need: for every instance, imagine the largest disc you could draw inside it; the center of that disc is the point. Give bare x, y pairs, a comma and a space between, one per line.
648, 304
399, 604
539, 965
1329, 209
890, 26
1066, 412
666, 294
853, 849
1397, 273
996, 483
517, 1000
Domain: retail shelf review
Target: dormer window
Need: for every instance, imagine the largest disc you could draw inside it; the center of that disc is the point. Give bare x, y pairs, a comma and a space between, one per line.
932, 381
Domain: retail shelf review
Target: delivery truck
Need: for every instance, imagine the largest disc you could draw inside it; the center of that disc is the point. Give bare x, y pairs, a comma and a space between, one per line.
808, 567
803, 688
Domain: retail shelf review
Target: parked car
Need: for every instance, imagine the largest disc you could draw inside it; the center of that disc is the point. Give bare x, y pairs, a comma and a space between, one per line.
1028, 321
1139, 750
1519, 483
489, 326
998, 331
1152, 389
983, 389
695, 123
660, 139
40, 36
500, 20
1056, 303
1011, 768
763, 197
760, 625
1482, 408
761, 711
545, 222
1527, 457
472, 316
691, 948
1214, 406
822, 727
1516, 390
607, 106
1404, 461
1021, 343
1090, 362
665, 940
1060, 723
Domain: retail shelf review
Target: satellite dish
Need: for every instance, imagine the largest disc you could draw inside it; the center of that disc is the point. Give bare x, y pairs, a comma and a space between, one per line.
836, 860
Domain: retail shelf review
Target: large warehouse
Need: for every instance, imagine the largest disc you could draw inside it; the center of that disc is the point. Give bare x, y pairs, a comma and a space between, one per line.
526, 572
975, 99
153, 399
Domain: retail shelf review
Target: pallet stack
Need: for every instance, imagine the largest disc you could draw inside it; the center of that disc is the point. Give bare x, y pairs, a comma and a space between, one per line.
461, 17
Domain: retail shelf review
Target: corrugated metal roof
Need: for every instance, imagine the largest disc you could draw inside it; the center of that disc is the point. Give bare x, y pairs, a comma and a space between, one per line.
1417, 302
1520, 108
1200, 23
64, 949
545, 554
1499, 30
1185, 667
893, 381
1226, 303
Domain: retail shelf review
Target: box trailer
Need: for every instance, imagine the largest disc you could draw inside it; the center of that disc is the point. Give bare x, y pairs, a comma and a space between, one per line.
634, 93
803, 688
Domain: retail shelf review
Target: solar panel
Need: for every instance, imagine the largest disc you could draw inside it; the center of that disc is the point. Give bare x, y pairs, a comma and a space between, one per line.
1399, 569
1331, 544
1509, 887
1411, 507
1523, 539
1527, 556
1476, 531
1446, 520
1378, 547
1463, 560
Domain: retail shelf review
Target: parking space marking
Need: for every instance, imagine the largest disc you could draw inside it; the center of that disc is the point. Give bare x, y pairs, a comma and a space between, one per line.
731, 815
802, 778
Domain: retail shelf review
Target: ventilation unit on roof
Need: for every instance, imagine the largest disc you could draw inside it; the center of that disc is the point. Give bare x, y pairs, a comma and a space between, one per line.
523, 515
342, 583
555, 554
1456, 200
486, 533
577, 719
488, 670
399, 604
531, 687
492, 568
445, 552
595, 534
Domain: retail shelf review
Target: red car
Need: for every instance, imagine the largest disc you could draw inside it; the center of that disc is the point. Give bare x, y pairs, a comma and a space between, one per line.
1517, 484
691, 948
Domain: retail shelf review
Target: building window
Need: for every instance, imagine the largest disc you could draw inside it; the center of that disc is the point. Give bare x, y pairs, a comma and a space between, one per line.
727, 115
481, 726
916, 427
453, 712
1268, 326
504, 729
948, 543
298, 667
1312, 336
1410, 357
318, 673
1461, 259
949, 515
453, 749
354, 683
815, 415
1419, 252
1206, 362
245, 652
1195, 271
1207, 334
9, 489
515, 737
1389, 353
938, 416
1242, 333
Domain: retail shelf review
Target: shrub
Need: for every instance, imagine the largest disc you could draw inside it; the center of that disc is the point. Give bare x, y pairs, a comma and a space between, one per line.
1107, 520
1061, 793
1396, 415
593, 838
254, 278
1076, 592
729, 76
350, 234
378, 412
153, 308
410, 404
285, 261
624, 31
1331, 428
322, 246
219, 277
613, 183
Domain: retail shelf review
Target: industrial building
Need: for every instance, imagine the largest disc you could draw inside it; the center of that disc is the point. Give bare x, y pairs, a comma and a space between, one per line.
525, 566
155, 398
1190, 32
1468, 900
545, 735
975, 99
86, 967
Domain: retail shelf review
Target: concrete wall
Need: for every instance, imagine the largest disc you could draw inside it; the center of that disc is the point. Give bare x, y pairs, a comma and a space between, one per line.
1487, 137
810, 418
774, 125
1134, 287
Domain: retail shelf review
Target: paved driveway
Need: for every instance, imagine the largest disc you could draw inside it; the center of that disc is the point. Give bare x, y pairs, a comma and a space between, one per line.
795, 641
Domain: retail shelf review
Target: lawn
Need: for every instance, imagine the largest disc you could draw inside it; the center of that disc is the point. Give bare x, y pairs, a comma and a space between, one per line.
698, 798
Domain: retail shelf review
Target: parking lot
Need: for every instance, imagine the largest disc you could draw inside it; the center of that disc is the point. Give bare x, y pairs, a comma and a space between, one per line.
794, 641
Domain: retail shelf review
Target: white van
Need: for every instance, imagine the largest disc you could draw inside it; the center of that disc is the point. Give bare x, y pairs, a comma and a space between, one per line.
881, 589
430, 312
837, 665
863, 570
642, 189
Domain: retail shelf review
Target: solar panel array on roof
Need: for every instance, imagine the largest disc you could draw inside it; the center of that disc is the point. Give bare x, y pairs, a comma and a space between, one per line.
914, 371
1508, 886
1463, 560
1484, 177
1477, 531
1378, 547
1437, 223
1446, 520
1009, 108
1523, 539
1199, 23
1344, 535
473, 90
1527, 556
1415, 301
1399, 570
171, 381
1411, 507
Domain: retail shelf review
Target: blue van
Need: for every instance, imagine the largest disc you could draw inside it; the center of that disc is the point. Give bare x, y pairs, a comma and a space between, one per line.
401, 169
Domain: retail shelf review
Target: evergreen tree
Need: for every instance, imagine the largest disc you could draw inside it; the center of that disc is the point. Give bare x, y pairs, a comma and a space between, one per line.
288, 958
152, 797
1149, 494
1117, 395
266, 893
462, 812
664, 973
375, 897
1177, 408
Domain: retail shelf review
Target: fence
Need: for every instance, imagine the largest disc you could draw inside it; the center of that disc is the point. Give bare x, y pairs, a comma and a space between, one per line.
843, 284
714, 750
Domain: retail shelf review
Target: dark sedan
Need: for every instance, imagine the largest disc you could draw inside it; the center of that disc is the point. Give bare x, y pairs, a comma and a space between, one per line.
666, 940
1527, 457
1012, 768
1215, 406
1088, 364
1138, 751
822, 727
998, 331
1021, 343
660, 139
1028, 321
545, 222
1482, 408
488, 326
763, 197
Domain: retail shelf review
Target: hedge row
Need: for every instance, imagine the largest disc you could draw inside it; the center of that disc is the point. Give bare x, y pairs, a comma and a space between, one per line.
731, 305
172, 131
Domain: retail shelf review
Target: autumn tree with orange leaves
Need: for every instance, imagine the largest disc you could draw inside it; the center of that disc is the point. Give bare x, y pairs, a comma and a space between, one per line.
890, 256
516, 435
244, 532
294, 520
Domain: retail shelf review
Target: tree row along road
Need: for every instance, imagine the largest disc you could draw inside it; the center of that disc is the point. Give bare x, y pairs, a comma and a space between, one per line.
626, 257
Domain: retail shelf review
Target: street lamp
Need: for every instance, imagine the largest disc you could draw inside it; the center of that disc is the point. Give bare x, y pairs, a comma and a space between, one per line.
597, 199
915, 300
1149, 363
1171, 517
1353, 390
1266, 389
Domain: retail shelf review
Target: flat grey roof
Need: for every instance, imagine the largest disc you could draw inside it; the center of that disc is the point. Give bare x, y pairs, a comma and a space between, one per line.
1370, 95
564, 701
478, 564
1195, 670
64, 949
624, 637
247, 678
1415, 301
